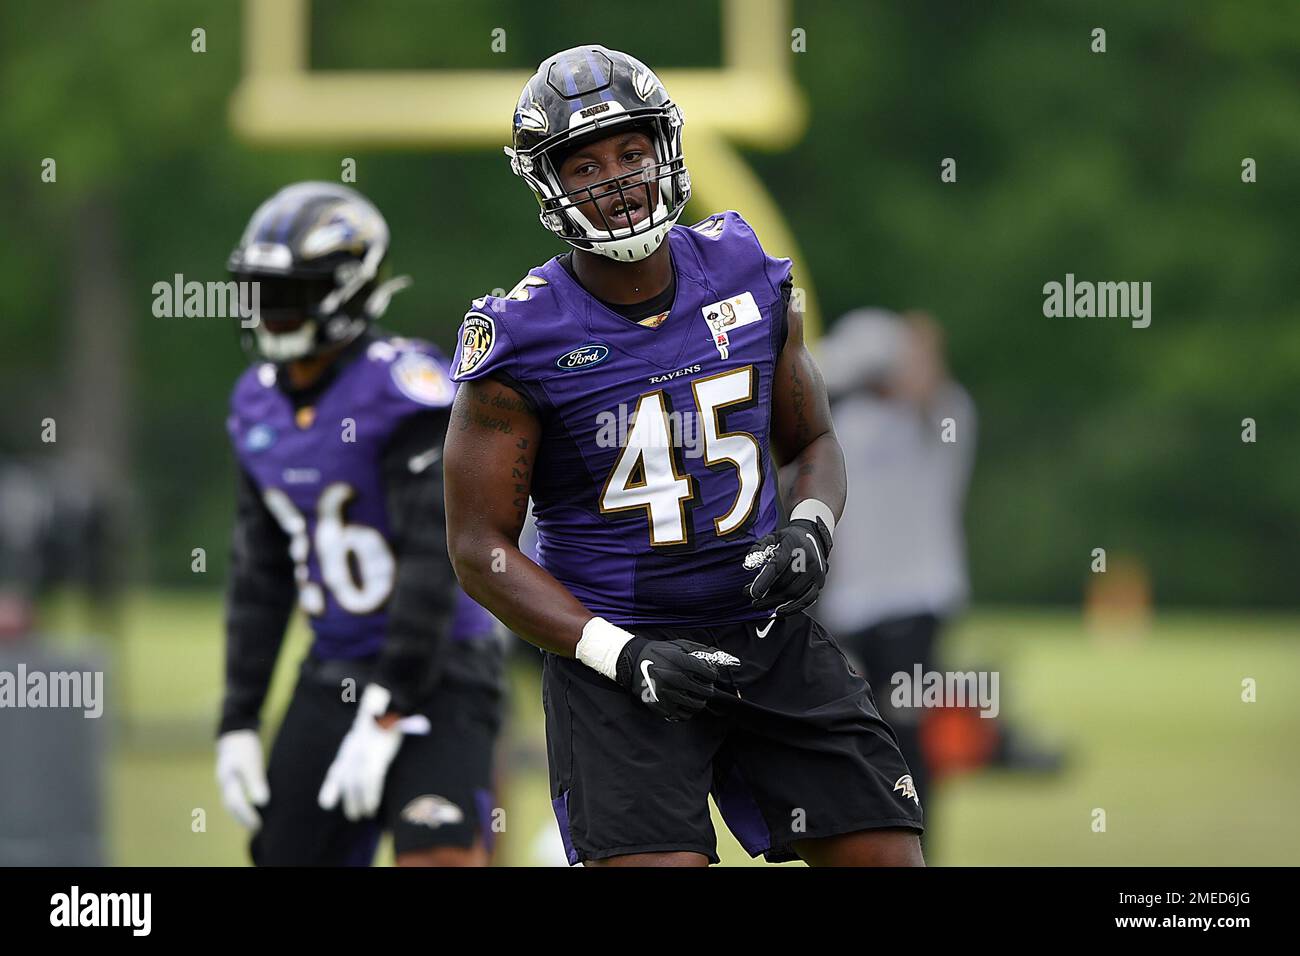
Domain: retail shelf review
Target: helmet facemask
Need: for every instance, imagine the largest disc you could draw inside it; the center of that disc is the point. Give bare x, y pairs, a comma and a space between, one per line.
560, 209
319, 287
299, 317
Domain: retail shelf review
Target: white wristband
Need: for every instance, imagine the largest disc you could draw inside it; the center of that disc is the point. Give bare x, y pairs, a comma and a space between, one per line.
600, 645
811, 508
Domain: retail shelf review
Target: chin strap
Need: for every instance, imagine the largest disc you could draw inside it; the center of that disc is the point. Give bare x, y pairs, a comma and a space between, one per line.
286, 346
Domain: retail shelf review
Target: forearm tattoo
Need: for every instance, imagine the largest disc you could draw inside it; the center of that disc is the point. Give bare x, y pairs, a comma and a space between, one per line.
521, 474
799, 400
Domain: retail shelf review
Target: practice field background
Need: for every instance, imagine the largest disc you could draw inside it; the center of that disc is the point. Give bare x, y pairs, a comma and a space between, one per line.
1173, 157
1116, 166
1155, 728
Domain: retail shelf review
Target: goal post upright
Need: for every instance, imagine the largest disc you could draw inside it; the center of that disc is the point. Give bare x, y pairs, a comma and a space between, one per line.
752, 99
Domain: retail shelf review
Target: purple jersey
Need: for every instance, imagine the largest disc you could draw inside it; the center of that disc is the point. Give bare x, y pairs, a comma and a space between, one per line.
318, 471
653, 474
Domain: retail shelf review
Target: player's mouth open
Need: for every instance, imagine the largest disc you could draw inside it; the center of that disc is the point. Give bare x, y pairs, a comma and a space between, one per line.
625, 213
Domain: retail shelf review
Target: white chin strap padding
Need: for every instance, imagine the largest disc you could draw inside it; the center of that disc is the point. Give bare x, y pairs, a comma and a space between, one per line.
633, 248
286, 346
628, 245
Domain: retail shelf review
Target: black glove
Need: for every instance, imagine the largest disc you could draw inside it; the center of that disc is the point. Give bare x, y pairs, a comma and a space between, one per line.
791, 564
675, 679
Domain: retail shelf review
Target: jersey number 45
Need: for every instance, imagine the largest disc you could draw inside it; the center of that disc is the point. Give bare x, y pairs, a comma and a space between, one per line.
649, 473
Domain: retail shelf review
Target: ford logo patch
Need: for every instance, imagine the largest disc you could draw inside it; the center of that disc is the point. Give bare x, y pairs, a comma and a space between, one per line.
584, 357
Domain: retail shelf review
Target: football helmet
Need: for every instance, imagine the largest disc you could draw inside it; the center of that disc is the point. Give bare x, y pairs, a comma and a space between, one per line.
587, 93
316, 250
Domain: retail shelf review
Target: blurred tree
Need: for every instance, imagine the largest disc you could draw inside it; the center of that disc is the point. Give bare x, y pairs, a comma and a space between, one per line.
1124, 165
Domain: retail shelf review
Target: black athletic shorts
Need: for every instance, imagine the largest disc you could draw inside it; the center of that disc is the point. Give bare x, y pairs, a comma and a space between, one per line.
792, 748
437, 793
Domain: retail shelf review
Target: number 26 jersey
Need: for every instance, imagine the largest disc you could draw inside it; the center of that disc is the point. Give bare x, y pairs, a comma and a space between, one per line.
320, 476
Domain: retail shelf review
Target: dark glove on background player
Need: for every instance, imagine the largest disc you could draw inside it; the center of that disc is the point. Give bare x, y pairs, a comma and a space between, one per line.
792, 564
675, 679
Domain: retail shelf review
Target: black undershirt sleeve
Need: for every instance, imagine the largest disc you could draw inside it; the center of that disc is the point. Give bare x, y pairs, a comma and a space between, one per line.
423, 603
259, 599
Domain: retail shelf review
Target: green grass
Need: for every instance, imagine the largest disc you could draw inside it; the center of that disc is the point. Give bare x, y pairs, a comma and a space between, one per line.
1155, 728
1159, 737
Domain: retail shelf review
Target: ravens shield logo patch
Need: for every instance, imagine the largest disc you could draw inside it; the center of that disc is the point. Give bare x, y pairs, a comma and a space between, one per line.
478, 335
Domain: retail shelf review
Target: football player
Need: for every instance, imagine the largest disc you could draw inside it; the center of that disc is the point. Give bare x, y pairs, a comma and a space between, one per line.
638, 388
338, 431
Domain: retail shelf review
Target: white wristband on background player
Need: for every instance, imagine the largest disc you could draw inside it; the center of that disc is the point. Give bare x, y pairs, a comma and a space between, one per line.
600, 645
811, 508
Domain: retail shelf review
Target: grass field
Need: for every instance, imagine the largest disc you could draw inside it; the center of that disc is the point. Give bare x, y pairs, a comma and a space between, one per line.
1156, 731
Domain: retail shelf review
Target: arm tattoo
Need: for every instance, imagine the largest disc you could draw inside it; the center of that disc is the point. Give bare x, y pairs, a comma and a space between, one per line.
800, 403
521, 473
481, 416
492, 423
504, 402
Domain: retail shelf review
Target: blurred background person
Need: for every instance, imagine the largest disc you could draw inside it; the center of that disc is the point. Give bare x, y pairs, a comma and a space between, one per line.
53, 737
908, 432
